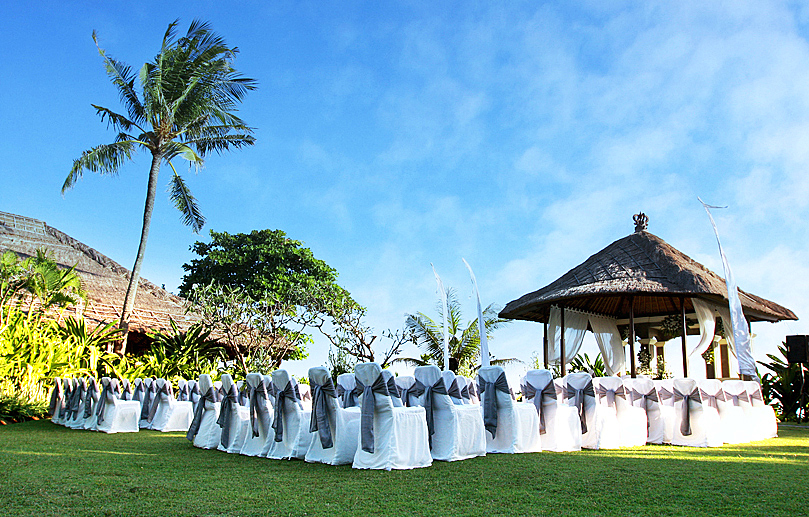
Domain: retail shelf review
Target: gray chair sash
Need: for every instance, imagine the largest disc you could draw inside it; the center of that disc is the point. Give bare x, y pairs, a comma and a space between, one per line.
367, 410
244, 394
92, 396
529, 392
107, 394
183, 393
756, 395
209, 396
156, 400
146, 403
578, 401
297, 391
490, 402
473, 390
77, 400
281, 398
644, 399
195, 391
418, 389
319, 420
736, 397
126, 391
453, 390
347, 397
57, 395
710, 400
685, 424
259, 414
229, 404
664, 394
393, 389
465, 392
137, 393
611, 394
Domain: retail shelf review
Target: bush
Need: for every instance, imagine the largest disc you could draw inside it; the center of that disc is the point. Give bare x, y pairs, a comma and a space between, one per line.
16, 408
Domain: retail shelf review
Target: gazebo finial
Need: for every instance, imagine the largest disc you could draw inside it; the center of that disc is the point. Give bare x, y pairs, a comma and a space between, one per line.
641, 222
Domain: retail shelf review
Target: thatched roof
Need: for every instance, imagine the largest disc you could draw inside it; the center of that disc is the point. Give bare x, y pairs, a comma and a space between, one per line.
642, 266
104, 279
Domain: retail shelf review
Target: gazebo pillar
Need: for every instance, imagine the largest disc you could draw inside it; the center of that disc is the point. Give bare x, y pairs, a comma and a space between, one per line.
545, 344
633, 371
685, 331
562, 342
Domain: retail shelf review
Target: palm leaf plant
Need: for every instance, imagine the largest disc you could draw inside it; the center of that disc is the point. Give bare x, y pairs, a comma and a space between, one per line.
185, 108
464, 338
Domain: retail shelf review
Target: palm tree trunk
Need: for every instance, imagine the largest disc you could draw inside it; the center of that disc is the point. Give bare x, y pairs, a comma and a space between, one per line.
132, 290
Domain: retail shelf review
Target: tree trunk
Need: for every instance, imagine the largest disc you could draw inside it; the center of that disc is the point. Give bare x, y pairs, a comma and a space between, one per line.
132, 290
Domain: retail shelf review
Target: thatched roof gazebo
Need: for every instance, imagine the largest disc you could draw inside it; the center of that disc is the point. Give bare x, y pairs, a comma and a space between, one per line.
104, 280
638, 277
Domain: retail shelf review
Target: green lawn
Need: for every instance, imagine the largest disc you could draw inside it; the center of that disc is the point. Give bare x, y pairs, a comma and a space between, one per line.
50, 470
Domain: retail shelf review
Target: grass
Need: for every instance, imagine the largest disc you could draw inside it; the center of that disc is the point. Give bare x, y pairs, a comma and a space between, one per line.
50, 470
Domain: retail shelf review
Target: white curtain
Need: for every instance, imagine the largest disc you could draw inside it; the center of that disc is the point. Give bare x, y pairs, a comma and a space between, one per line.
707, 324
609, 341
575, 327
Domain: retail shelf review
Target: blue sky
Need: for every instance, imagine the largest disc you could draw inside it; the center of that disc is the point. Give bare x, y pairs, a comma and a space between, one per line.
521, 136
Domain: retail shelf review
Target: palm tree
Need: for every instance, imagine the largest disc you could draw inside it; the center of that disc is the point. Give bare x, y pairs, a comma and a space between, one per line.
464, 340
186, 108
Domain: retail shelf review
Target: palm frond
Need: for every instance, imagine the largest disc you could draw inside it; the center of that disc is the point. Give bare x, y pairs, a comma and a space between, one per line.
123, 78
103, 159
119, 122
185, 203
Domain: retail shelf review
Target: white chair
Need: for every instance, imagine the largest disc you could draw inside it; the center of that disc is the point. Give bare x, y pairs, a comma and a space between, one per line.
126, 390
305, 393
335, 430
659, 418
393, 389
91, 397
763, 414
204, 431
290, 436
460, 381
733, 421
194, 393
345, 390
453, 390
389, 438
665, 390
75, 419
57, 401
167, 414
149, 390
137, 389
455, 431
696, 424
113, 414
559, 425
67, 388
404, 383
613, 404
182, 394
234, 419
244, 394
512, 427
579, 393
257, 441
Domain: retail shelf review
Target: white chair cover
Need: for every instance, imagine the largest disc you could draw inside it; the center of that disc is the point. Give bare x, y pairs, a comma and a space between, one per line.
659, 418
559, 426
126, 390
57, 400
75, 418
168, 414
149, 390
579, 393
613, 403
696, 424
183, 394
137, 389
472, 387
453, 390
389, 438
305, 391
404, 383
233, 420
115, 415
393, 389
512, 427
345, 390
455, 430
460, 380
91, 397
67, 388
764, 415
335, 430
733, 421
204, 432
290, 436
257, 441
244, 396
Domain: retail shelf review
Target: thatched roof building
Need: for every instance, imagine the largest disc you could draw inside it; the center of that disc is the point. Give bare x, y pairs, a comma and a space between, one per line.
104, 279
640, 266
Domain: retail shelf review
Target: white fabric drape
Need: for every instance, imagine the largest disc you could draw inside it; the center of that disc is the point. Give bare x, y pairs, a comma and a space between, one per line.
707, 324
575, 327
609, 342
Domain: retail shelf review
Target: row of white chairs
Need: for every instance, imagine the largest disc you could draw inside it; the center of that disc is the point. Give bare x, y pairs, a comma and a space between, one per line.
81, 404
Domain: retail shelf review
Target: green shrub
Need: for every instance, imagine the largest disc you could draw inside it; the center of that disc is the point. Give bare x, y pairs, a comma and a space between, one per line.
16, 408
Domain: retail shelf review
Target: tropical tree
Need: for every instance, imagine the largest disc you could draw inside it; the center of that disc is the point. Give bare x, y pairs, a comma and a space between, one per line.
185, 108
464, 339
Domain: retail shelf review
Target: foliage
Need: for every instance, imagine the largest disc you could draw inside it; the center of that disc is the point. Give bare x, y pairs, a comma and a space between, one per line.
38, 280
708, 355
258, 332
645, 360
662, 372
16, 408
175, 354
101, 337
464, 340
186, 108
340, 362
784, 384
672, 326
582, 363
